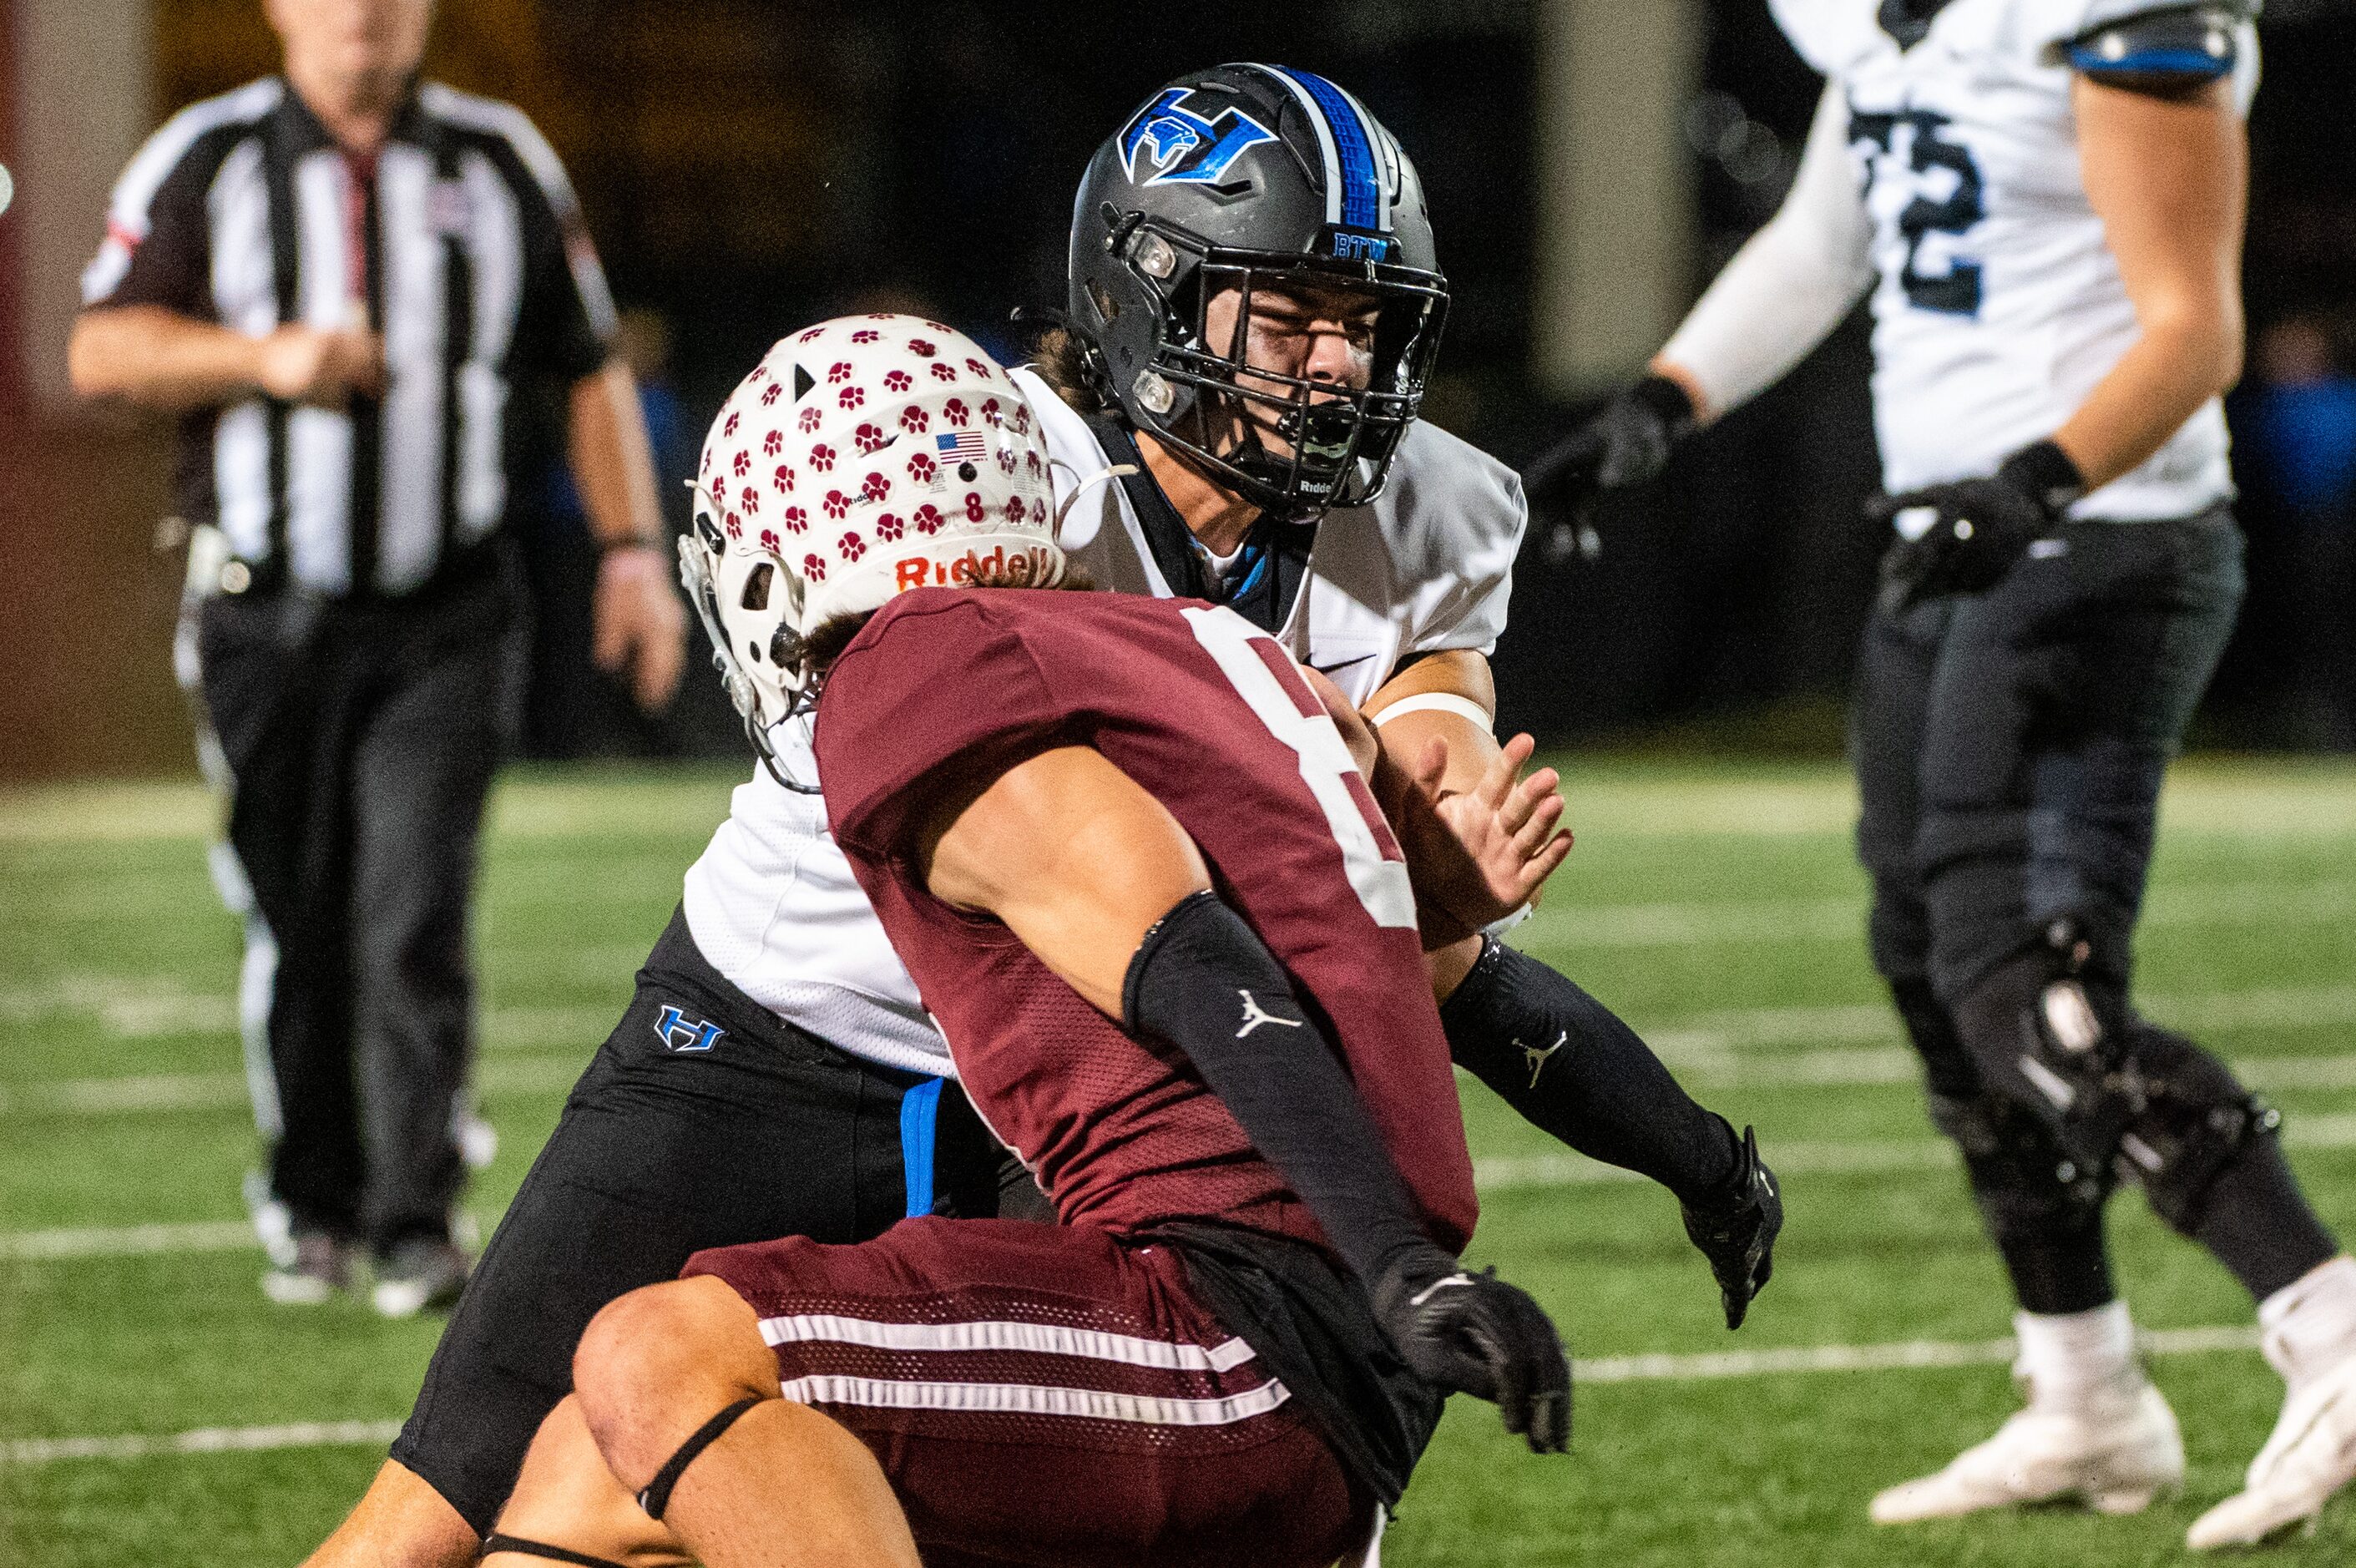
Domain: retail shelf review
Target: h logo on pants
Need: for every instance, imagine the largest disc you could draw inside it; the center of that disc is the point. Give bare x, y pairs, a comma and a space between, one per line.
681, 1032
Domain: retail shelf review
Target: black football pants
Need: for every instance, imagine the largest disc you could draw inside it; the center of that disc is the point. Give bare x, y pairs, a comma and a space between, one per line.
360, 740
2010, 749
703, 1120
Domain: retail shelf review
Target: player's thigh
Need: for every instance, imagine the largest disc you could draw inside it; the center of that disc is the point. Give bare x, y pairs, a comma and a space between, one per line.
1044, 1395
1888, 711
2129, 650
659, 1153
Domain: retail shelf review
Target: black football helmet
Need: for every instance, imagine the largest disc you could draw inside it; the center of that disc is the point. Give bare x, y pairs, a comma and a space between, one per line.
1244, 177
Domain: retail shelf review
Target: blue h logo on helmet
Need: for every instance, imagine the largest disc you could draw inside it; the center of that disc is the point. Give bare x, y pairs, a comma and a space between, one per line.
1182, 147
680, 1032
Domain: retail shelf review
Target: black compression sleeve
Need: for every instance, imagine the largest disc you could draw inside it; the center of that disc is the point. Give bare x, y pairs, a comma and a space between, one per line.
1571, 1066
1204, 983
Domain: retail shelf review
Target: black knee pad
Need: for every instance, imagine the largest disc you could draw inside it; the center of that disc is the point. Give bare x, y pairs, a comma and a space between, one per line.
2048, 1034
2026, 1184
2192, 1123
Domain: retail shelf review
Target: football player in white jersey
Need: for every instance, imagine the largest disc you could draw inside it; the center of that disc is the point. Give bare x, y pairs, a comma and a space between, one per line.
2044, 199
1230, 412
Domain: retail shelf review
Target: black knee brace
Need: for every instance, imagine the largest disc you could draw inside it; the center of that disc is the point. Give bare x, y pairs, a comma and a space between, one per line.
2025, 1182
2043, 1211
656, 1498
2049, 1036
2191, 1122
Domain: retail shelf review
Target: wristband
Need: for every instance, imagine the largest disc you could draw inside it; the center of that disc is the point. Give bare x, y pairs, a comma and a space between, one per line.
1437, 702
2045, 474
1667, 400
630, 542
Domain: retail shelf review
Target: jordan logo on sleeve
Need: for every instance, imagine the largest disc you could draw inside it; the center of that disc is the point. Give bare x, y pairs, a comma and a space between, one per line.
1537, 1058
1255, 1016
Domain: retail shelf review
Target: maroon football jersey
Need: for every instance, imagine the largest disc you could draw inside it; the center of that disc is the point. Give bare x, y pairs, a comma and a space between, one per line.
1212, 717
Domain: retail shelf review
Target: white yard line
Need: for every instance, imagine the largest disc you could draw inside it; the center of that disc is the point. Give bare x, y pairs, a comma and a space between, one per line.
226, 1090
1783, 921
1779, 1361
127, 1240
203, 1440
1906, 1354
1505, 1173
1497, 1173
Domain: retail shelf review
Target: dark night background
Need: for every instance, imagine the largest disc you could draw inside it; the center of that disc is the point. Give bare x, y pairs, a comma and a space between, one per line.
749, 167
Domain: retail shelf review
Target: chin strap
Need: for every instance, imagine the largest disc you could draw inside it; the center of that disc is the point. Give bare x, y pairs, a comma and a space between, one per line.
1064, 509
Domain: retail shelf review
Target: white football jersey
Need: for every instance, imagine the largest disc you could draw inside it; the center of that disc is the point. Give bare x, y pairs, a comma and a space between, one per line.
1998, 304
1428, 567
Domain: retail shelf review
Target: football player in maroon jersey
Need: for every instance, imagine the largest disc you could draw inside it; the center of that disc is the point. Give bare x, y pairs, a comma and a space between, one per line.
1155, 906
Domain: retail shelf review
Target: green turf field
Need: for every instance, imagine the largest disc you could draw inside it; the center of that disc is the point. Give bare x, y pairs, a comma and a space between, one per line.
1717, 909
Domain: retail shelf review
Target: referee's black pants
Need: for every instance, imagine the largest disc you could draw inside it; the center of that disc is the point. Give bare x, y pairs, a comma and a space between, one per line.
360, 739
2009, 750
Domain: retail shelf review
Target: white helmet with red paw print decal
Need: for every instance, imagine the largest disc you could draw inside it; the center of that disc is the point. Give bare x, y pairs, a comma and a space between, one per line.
863, 456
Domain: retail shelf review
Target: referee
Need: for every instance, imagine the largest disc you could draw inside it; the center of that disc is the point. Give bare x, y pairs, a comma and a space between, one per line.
351, 286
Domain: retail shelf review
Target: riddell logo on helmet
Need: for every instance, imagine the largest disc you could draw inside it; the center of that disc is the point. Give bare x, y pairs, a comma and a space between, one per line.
998, 568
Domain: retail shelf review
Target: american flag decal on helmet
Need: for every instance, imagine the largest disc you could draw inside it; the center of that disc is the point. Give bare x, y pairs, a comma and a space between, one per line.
961, 446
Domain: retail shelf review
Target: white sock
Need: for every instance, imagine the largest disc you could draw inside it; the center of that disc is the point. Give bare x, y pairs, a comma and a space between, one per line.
2310, 1323
2067, 1354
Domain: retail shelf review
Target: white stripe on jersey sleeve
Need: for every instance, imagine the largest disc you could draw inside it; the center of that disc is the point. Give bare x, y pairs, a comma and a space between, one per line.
128, 210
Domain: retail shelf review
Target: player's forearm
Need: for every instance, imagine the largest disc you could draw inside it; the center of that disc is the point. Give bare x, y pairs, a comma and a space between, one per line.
2177, 365
1451, 697
613, 464
1198, 971
155, 357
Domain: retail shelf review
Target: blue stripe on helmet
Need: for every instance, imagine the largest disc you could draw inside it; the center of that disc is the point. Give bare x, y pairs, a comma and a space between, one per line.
1362, 180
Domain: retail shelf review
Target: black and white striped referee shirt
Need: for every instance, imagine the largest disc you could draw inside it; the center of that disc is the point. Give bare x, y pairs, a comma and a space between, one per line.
463, 245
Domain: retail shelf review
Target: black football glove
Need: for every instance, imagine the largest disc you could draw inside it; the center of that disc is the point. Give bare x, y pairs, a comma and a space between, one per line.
1620, 448
1979, 527
1475, 1333
1736, 1229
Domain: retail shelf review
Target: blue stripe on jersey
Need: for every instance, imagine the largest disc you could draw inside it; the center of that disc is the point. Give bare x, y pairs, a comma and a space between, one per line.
2195, 63
920, 1112
1362, 180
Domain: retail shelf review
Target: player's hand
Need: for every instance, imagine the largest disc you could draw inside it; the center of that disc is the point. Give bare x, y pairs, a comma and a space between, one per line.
1619, 448
1504, 835
1475, 1333
1736, 1230
1975, 528
305, 364
639, 625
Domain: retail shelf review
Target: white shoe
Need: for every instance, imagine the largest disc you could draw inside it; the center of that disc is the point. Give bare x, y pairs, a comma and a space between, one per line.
2311, 1455
2113, 1449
